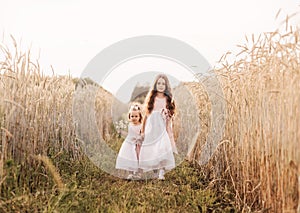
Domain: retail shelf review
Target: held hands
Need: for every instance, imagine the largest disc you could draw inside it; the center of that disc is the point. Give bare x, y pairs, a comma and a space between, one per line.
138, 139
142, 135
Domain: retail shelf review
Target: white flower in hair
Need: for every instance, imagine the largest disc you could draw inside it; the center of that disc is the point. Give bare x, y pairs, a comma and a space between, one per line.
135, 107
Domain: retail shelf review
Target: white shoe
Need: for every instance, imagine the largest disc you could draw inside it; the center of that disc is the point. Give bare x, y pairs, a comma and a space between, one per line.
137, 176
161, 175
130, 177
155, 173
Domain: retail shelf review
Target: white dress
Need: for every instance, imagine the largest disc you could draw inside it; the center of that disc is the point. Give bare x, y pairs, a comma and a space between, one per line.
127, 158
157, 148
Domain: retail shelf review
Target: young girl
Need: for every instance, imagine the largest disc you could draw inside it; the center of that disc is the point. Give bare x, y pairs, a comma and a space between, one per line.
158, 146
129, 152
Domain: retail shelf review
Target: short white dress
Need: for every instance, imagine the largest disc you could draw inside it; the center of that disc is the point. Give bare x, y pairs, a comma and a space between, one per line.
158, 145
127, 157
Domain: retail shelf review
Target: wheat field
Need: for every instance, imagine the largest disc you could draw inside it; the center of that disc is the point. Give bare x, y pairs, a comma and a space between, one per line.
257, 162
260, 154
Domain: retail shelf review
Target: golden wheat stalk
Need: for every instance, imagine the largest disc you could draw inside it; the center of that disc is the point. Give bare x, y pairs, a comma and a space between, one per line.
52, 170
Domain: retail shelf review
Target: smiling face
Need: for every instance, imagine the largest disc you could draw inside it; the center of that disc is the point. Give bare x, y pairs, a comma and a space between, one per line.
161, 85
134, 117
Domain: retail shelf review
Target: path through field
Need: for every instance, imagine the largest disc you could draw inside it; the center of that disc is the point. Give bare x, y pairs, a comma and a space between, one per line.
88, 189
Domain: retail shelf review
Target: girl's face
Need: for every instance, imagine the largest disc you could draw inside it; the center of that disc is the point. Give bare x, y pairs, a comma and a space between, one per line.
135, 117
161, 85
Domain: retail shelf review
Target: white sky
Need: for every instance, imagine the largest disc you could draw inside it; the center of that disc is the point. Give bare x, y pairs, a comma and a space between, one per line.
68, 34
143, 70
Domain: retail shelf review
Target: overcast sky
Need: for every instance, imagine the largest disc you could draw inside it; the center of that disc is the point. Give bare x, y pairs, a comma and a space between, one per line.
68, 34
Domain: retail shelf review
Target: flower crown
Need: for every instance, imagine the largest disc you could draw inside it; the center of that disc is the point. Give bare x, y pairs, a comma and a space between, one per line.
135, 107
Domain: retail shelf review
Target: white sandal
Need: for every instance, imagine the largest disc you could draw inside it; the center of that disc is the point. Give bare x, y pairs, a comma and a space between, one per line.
161, 175
130, 177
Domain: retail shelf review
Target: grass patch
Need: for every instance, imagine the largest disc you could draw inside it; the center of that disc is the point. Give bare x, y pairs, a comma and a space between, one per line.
88, 189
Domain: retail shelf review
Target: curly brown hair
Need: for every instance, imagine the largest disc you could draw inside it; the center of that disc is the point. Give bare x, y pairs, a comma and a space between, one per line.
153, 93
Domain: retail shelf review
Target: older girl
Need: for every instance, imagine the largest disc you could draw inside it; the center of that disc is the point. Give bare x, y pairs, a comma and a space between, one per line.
158, 146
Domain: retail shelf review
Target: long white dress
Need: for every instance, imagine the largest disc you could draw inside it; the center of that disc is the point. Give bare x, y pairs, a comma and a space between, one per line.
127, 158
157, 148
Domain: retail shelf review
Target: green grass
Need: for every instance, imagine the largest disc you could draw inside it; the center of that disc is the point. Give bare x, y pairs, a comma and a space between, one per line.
88, 189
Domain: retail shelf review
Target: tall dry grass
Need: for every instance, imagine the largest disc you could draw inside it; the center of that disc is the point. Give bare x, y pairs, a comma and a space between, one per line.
260, 154
36, 109
192, 120
36, 116
258, 159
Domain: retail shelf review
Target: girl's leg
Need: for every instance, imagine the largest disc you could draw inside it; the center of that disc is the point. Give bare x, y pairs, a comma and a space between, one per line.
138, 149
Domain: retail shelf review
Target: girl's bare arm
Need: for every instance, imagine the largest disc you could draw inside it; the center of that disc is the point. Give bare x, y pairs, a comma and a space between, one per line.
143, 124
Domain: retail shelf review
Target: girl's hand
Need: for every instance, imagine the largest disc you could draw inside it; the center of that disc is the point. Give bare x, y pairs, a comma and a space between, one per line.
166, 114
140, 139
